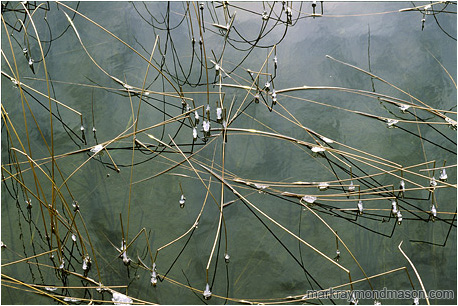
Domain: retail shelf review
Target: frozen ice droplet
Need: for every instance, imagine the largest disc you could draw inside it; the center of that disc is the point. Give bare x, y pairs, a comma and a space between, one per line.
433, 211
327, 140
96, 149
86, 263
309, 199
404, 107
194, 133
219, 113
394, 207
207, 292
182, 200
433, 182
360, 207
402, 187
121, 299
399, 216
317, 149
391, 122
351, 188
206, 126
443, 176
154, 278
323, 186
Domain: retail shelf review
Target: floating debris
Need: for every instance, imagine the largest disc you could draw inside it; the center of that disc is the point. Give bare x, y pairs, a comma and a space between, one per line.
216, 65
121, 299
377, 302
207, 109
74, 237
69, 299
443, 176
29, 203
96, 149
82, 128
308, 199
2, 245
226, 258
323, 186
62, 264
182, 201
416, 301
264, 15
207, 292
196, 117
360, 207
93, 129
399, 216
391, 122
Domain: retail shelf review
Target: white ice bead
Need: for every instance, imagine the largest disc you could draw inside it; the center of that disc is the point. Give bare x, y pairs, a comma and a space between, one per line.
360, 207
207, 292
219, 113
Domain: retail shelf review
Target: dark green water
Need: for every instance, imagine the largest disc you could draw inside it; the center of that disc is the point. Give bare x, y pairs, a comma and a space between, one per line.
267, 264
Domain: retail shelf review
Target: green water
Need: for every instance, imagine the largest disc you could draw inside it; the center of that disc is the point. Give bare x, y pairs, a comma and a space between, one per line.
266, 262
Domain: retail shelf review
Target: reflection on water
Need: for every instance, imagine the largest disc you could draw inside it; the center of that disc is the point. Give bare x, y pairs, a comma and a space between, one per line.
91, 191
